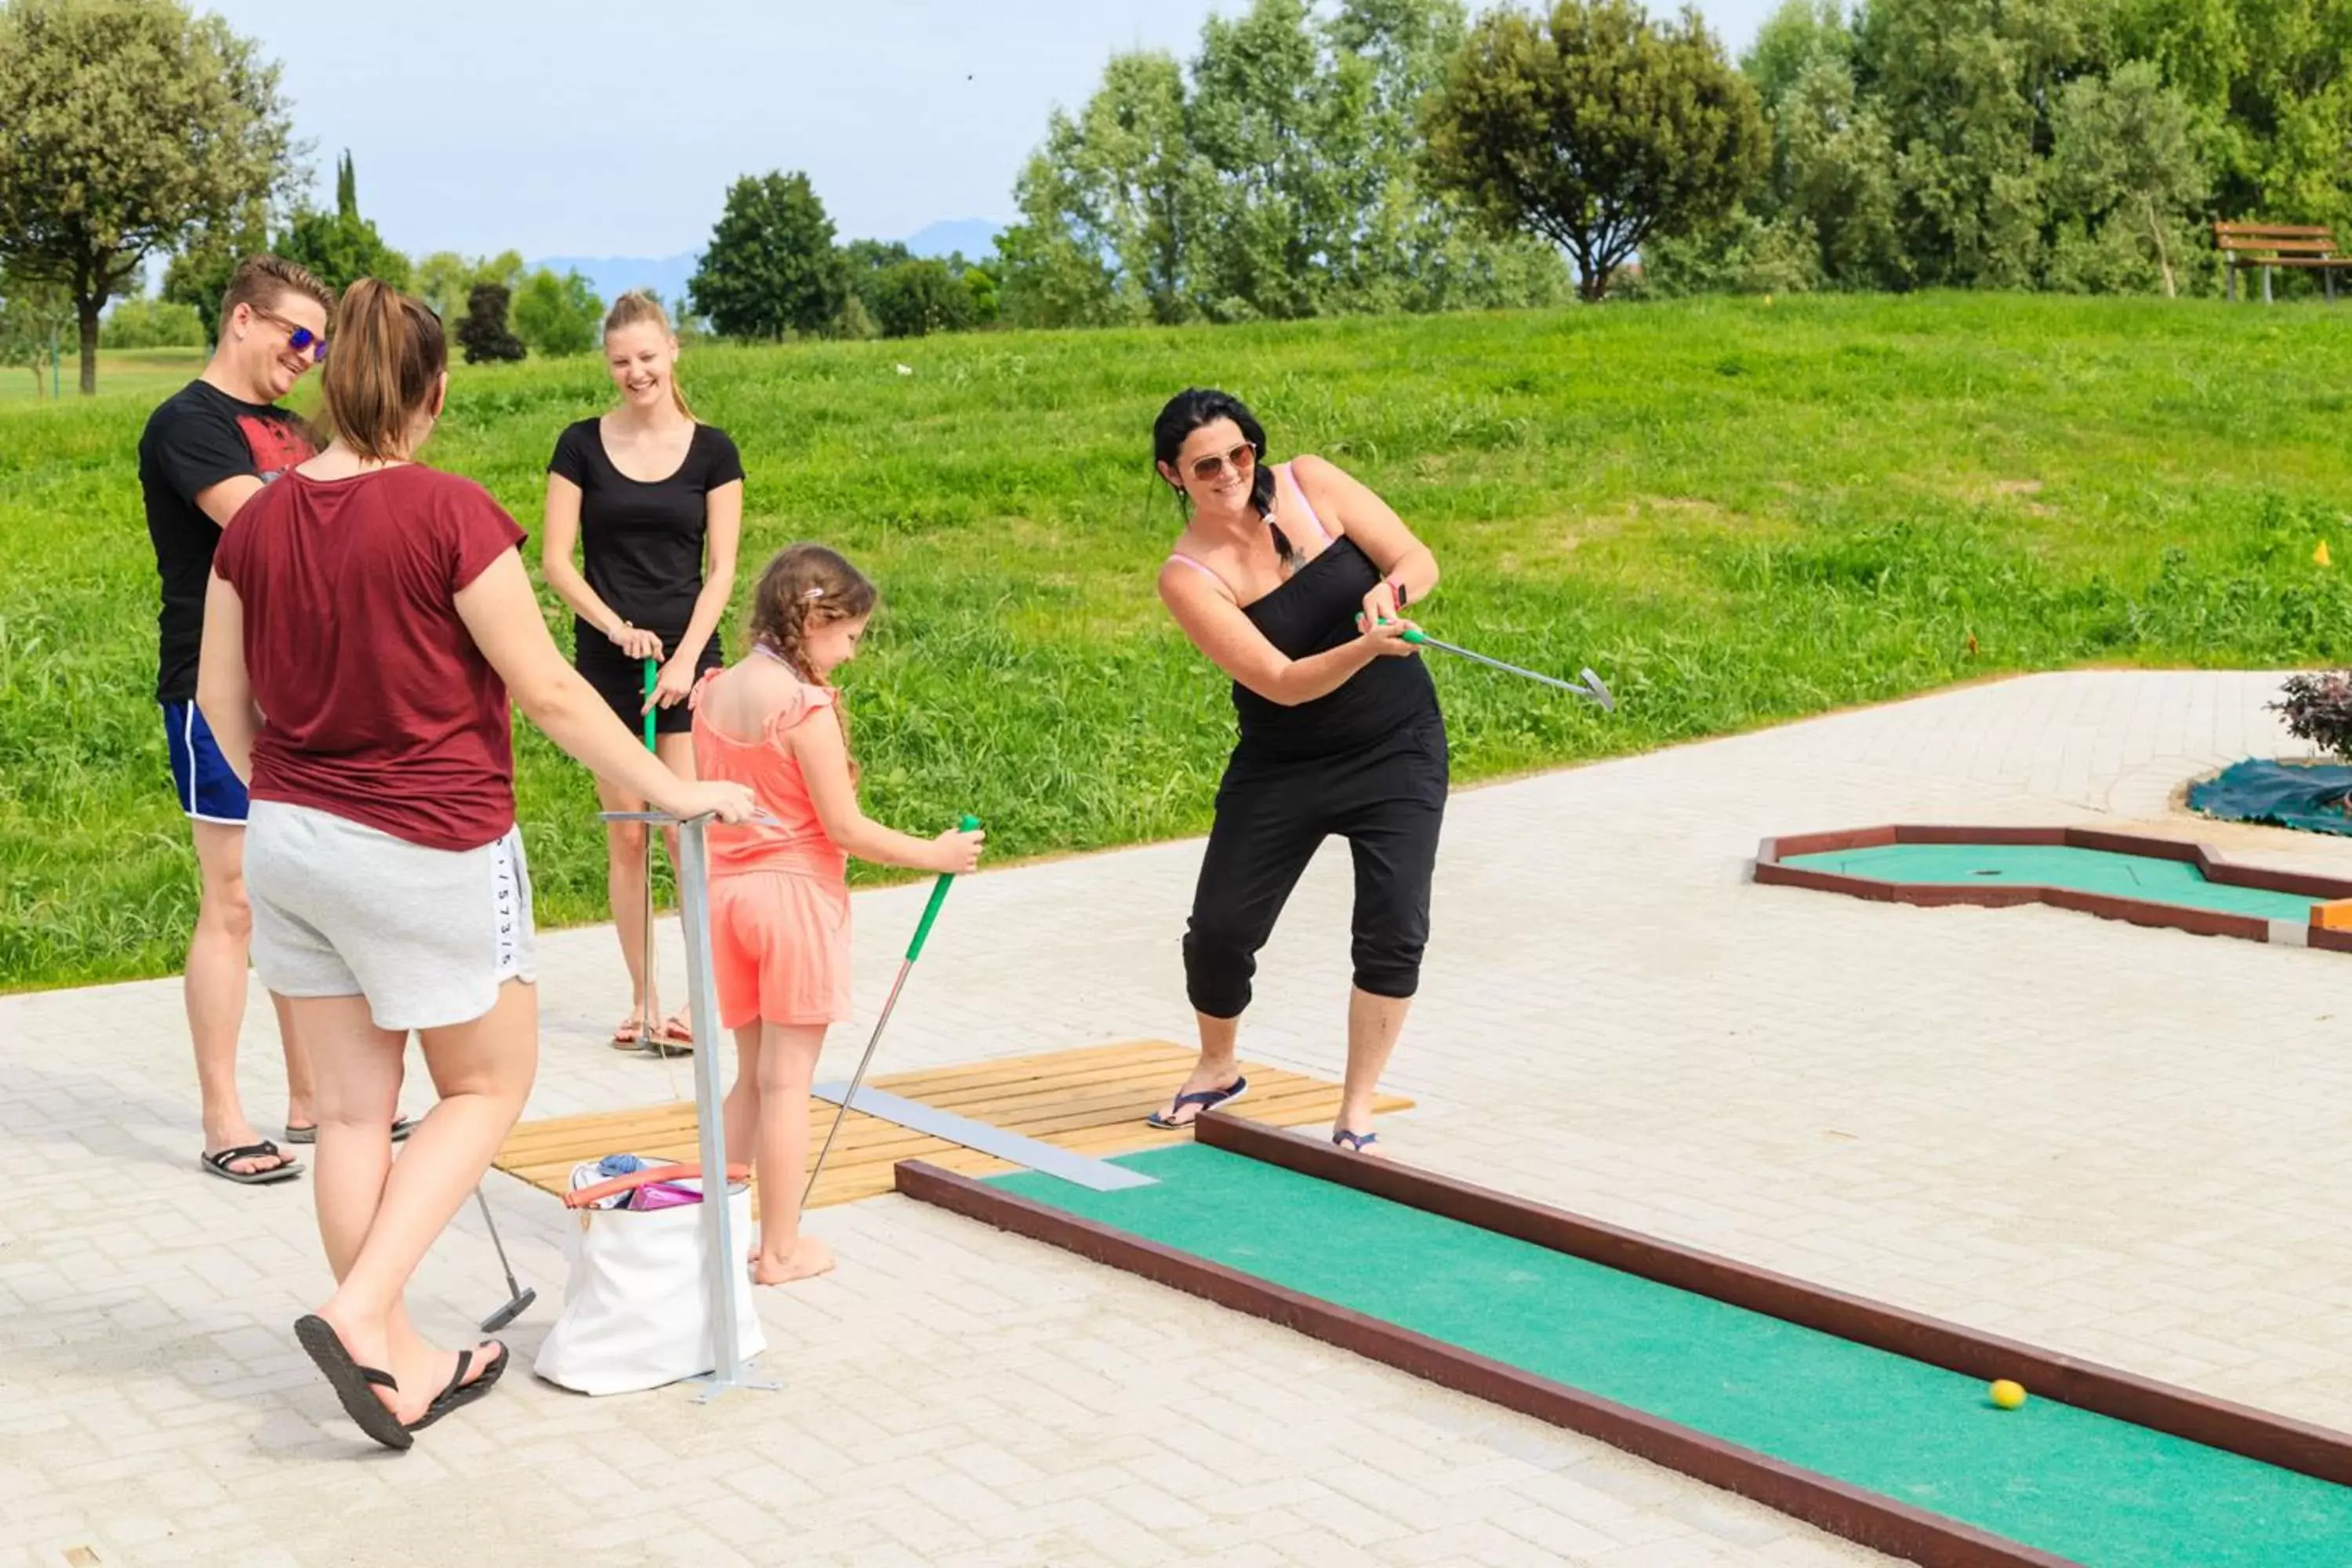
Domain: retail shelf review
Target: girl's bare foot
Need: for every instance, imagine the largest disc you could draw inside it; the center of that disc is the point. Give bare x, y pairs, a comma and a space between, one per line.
808, 1258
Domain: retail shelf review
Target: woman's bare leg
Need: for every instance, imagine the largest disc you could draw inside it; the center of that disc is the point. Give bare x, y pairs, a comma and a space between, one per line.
483, 1070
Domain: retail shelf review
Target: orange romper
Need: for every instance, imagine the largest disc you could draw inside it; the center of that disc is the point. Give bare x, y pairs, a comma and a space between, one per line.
779, 891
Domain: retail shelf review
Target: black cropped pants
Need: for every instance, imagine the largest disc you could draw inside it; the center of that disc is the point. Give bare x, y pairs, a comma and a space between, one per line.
1387, 800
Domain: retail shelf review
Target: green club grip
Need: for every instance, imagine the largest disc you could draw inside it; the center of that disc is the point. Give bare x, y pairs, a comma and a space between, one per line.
652, 667
938, 897
1416, 638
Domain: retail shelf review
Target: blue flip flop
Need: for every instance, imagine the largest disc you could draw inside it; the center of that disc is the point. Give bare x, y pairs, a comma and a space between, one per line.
1354, 1143
1207, 1099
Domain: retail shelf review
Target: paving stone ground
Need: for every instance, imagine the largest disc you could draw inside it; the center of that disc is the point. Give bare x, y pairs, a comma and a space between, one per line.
2125, 1144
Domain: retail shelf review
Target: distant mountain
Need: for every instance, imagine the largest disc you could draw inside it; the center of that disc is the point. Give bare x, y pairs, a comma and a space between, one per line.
975, 236
613, 275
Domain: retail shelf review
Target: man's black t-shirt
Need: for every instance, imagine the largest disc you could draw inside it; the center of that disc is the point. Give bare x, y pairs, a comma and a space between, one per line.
642, 543
200, 436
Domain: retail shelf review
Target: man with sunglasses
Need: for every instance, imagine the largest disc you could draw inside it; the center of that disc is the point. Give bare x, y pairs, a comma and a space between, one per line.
205, 451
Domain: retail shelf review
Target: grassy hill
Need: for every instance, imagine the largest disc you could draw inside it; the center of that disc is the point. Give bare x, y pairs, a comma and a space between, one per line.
1737, 512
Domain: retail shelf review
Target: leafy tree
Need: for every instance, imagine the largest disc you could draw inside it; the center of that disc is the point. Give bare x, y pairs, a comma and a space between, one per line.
1596, 130
125, 127
2269, 83
445, 279
137, 323
199, 271
33, 318
1825, 215
771, 266
2124, 166
1412, 247
1277, 134
557, 316
340, 247
916, 298
484, 334
1282, 179
1966, 87
983, 281
1107, 205
863, 263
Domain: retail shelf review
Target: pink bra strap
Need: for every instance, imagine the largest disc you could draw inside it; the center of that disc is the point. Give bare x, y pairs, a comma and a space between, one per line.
1304, 504
1197, 566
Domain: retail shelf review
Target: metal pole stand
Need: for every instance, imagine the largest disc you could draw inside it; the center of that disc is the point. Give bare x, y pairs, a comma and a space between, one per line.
725, 1259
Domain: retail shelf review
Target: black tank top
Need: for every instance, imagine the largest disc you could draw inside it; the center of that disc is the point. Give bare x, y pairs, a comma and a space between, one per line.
1313, 613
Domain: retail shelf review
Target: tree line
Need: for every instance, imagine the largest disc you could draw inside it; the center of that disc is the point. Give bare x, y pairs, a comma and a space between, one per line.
1357, 156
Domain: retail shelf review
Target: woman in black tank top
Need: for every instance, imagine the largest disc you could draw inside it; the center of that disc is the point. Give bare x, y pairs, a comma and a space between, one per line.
1294, 580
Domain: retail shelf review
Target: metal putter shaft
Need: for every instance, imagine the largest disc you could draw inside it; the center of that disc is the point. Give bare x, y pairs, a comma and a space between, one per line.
653, 1041
519, 1300
914, 951
1591, 691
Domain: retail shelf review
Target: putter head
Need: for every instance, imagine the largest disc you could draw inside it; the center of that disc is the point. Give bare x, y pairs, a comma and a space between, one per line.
510, 1312
1600, 691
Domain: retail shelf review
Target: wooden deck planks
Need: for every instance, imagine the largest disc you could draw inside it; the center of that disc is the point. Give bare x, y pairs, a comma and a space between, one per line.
1091, 1101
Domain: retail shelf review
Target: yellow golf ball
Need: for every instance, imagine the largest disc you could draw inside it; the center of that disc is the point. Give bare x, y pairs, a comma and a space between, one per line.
2007, 1394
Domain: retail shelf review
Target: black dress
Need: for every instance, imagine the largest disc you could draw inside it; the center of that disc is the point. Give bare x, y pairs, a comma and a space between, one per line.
1367, 761
641, 546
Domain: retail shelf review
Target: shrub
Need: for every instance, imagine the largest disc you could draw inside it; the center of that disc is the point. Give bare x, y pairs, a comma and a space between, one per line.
2319, 708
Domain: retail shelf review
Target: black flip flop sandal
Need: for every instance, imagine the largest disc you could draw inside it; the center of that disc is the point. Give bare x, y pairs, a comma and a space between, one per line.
458, 1393
355, 1385
218, 1165
1206, 1100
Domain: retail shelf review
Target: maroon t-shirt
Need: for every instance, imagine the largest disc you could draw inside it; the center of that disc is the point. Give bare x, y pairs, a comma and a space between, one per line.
376, 705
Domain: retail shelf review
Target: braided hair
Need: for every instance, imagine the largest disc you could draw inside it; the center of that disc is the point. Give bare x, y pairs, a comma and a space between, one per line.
804, 586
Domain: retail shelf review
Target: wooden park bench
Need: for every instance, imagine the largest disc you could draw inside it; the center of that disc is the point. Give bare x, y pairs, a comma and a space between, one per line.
2309, 247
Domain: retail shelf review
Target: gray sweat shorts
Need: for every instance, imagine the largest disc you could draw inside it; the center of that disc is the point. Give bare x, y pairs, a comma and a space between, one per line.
342, 909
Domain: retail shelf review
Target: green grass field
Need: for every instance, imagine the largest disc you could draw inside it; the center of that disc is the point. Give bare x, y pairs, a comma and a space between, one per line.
1738, 513
149, 374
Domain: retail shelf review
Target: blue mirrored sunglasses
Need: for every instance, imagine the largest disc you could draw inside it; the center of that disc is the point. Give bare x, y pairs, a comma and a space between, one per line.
302, 340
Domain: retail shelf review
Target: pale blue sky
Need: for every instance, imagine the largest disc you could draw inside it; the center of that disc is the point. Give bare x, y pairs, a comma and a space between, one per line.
597, 128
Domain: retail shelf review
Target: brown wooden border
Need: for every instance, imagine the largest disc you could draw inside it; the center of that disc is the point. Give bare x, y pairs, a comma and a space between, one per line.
1772, 854
1879, 1523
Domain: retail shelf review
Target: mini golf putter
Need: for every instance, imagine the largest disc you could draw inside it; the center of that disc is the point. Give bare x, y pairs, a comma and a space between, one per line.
967, 824
1592, 689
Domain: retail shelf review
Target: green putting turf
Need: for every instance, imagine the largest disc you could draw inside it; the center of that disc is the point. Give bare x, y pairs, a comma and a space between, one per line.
2057, 866
2086, 1487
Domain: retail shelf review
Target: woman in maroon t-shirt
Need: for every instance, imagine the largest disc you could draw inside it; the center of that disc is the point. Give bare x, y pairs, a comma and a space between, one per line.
377, 613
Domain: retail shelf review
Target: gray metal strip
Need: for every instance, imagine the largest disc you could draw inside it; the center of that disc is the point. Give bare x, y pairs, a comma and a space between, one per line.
1098, 1175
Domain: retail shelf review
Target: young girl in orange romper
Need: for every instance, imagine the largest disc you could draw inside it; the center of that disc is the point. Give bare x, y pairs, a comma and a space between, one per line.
779, 889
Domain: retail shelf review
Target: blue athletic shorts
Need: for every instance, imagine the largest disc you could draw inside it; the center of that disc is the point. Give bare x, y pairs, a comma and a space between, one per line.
209, 791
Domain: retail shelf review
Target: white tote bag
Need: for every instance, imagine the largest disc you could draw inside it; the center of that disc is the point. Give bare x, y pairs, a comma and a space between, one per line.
636, 1306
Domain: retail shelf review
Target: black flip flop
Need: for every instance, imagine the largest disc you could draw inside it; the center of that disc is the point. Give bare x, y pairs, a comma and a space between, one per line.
354, 1384
458, 1393
401, 1129
1207, 1099
218, 1165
